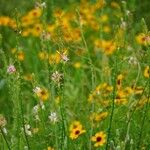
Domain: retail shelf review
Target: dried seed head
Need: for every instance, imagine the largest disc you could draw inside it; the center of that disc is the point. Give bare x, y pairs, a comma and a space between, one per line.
133, 60
45, 36
57, 77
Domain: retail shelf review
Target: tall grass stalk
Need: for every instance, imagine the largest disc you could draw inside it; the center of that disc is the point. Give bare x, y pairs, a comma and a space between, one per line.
114, 75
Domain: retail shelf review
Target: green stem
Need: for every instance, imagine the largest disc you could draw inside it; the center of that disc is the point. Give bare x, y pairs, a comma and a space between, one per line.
143, 119
5, 138
23, 123
113, 105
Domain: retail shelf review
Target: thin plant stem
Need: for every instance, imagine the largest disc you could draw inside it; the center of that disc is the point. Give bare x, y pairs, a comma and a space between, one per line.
113, 105
23, 123
143, 118
3, 134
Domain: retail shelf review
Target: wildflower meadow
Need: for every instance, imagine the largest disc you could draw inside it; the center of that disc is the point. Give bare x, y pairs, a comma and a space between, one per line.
74, 75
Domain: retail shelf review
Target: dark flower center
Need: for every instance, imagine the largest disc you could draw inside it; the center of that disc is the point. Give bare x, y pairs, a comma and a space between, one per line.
43, 93
34, 14
77, 132
98, 139
144, 39
118, 82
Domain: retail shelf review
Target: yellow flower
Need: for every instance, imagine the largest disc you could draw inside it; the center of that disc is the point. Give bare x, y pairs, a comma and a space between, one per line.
50, 148
147, 72
100, 116
99, 139
91, 98
26, 21
76, 130
105, 103
104, 18
121, 98
43, 55
106, 29
20, 55
42, 94
50, 28
119, 80
54, 58
74, 125
28, 77
13, 50
26, 32
99, 4
58, 13
31, 18
142, 39
128, 90
35, 13
35, 130
115, 5
109, 47
77, 65
138, 90
57, 99
37, 29
142, 102
6, 21
101, 90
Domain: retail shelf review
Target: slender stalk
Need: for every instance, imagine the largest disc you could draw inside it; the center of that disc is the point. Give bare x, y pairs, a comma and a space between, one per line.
62, 110
3, 134
143, 119
128, 129
113, 105
23, 123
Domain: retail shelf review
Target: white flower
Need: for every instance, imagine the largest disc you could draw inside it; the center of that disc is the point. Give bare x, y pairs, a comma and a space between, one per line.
25, 147
128, 12
57, 77
4, 130
37, 118
42, 105
53, 117
11, 69
43, 5
123, 24
64, 57
28, 129
133, 60
35, 109
40, 5
37, 90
